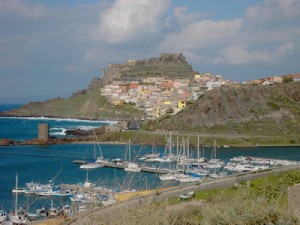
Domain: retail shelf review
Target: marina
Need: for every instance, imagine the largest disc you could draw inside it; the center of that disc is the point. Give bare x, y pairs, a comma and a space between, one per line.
50, 178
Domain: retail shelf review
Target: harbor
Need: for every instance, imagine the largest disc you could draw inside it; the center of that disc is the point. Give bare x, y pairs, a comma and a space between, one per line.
88, 195
64, 180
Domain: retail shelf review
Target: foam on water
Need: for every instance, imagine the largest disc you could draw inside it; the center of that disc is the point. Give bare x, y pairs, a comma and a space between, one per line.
61, 119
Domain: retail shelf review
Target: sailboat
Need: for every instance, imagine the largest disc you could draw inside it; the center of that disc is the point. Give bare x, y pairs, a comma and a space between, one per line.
17, 216
98, 162
131, 166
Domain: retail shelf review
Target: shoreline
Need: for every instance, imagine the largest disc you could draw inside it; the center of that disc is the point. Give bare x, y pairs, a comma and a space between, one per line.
111, 122
57, 141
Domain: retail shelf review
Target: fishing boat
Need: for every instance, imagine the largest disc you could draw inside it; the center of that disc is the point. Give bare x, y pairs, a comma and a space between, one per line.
53, 211
41, 213
17, 216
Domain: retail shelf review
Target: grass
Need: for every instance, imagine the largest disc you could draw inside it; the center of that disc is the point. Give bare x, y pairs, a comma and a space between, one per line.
265, 201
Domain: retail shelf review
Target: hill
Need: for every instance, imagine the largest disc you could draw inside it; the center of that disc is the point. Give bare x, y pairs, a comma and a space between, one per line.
264, 200
240, 109
167, 65
85, 104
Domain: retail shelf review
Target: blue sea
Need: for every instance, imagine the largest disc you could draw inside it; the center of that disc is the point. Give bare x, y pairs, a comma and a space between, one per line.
44, 162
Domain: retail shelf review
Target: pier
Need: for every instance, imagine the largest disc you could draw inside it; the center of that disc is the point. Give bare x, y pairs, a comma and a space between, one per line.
146, 169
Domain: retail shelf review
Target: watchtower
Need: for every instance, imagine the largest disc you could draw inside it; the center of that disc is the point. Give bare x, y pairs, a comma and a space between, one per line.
43, 131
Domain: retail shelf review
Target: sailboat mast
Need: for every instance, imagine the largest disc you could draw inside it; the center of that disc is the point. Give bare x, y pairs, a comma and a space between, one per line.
177, 154
129, 151
188, 148
198, 150
16, 199
170, 147
215, 149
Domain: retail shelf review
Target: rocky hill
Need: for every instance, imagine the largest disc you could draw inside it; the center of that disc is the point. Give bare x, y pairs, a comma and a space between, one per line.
89, 104
240, 109
167, 65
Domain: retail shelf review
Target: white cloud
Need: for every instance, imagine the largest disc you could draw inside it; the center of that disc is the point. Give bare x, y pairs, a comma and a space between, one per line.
267, 33
201, 34
239, 54
130, 20
271, 11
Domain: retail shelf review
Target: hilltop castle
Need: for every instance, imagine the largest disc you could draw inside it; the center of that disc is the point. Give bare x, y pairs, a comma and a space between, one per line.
167, 65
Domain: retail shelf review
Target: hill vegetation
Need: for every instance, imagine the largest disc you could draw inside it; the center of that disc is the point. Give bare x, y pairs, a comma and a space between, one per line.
254, 110
264, 201
90, 105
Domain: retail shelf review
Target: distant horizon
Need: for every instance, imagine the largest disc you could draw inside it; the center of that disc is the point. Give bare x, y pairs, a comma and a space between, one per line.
26, 99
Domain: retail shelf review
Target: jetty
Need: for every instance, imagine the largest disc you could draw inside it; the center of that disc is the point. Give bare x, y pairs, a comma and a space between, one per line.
122, 165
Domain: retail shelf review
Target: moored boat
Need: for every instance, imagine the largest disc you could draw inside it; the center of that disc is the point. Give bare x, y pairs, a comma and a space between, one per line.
3, 215
17, 216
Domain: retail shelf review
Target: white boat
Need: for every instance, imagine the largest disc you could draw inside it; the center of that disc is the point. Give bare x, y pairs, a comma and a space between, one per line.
17, 216
88, 184
167, 177
41, 213
157, 159
239, 159
47, 193
81, 197
3, 215
132, 167
53, 212
63, 193
91, 165
99, 162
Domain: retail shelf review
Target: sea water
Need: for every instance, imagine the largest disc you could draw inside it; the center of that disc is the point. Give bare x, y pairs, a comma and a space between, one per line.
41, 163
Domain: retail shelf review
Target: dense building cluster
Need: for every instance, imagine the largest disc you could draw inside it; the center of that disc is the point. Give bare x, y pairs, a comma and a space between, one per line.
157, 96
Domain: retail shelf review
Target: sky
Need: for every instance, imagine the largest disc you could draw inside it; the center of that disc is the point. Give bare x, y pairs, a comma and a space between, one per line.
54, 48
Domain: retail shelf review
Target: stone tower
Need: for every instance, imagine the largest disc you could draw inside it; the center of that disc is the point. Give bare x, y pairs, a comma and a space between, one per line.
43, 131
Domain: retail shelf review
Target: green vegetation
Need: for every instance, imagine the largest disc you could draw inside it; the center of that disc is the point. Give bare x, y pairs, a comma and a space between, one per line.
287, 79
262, 201
273, 106
87, 106
262, 115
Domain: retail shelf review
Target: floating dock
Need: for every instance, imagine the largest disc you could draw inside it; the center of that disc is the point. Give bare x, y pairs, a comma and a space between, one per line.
146, 169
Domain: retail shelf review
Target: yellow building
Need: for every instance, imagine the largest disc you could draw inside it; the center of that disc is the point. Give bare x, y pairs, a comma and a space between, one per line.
197, 76
156, 112
181, 104
167, 102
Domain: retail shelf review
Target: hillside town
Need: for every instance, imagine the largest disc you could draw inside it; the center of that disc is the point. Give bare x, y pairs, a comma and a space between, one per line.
158, 96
